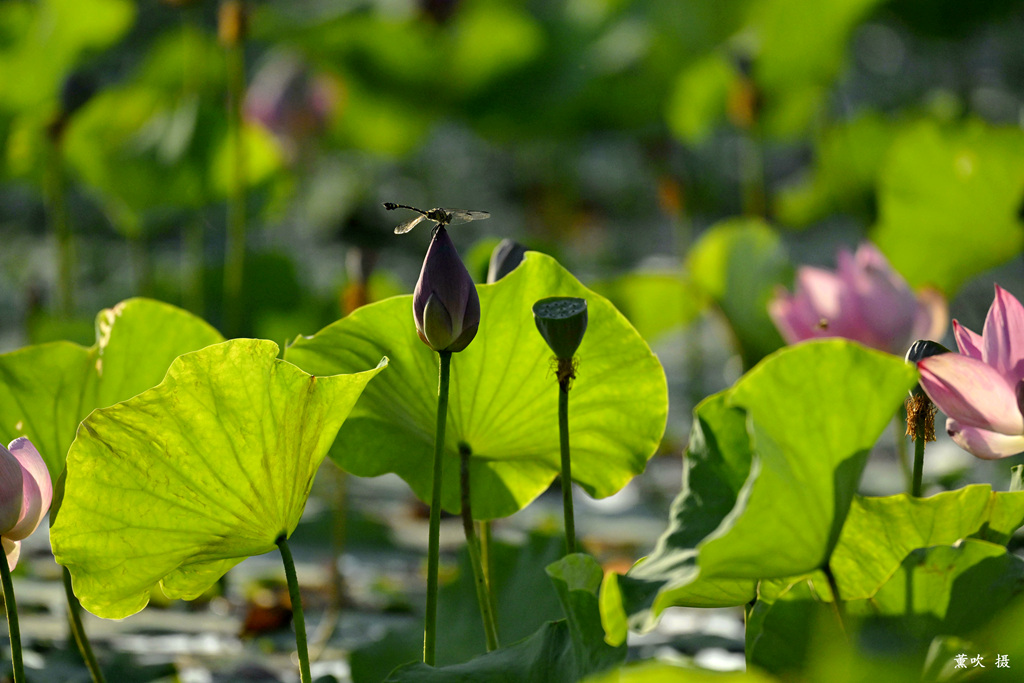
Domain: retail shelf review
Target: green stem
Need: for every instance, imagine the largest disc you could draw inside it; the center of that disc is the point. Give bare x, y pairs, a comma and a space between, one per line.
434, 544
78, 631
193, 262
485, 561
563, 438
472, 545
234, 255
12, 622
332, 615
58, 214
297, 618
915, 489
901, 448
752, 173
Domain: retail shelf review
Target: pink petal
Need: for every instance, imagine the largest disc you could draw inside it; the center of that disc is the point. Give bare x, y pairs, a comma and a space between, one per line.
36, 486
983, 443
836, 309
12, 549
790, 317
972, 393
932, 315
969, 343
886, 303
11, 482
821, 292
1004, 335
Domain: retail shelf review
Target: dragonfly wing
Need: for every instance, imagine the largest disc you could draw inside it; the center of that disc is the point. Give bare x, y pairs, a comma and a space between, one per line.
463, 216
408, 225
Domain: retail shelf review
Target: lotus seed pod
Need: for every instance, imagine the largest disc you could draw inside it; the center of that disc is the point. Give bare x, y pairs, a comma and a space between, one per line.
919, 350
562, 321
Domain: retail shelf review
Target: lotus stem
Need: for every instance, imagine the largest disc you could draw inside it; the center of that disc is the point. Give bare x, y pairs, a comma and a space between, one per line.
921, 428
12, 622
901, 453
485, 561
232, 32
297, 618
78, 630
57, 212
473, 547
916, 486
563, 439
434, 542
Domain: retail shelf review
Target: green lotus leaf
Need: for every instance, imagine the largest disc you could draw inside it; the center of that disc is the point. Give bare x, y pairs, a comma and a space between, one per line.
771, 469
503, 396
47, 389
948, 590
937, 180
516, 570
662, 672
738, 264
881, 532
44, 40
793, 631
182, 482
848, 157
564, 650
655, 302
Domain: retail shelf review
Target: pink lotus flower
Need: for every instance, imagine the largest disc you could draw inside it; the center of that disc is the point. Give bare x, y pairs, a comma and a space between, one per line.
981, 389
865, 300
25, 495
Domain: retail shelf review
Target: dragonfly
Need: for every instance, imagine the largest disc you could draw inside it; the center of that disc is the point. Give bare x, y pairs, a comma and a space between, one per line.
440, 216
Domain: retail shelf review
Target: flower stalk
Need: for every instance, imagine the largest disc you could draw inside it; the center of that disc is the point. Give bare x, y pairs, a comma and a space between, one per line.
434, 540
78, 630
297, 617
446, 312
563, 443
232, 35
921, 411
13, 628
562, 321
473, 548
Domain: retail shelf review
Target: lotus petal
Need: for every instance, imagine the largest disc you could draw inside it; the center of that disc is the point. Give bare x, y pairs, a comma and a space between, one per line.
971, 392
983, 443
1004, 335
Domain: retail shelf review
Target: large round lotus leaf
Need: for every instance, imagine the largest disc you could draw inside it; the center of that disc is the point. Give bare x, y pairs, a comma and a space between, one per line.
47, 389
503, 398
949, 201
182, 482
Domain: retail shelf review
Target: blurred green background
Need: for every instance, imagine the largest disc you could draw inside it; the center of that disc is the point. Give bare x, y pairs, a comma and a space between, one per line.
682, 157
144, 145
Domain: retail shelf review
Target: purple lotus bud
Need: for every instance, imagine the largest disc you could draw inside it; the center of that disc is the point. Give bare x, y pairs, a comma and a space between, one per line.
504, 259
445, 305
